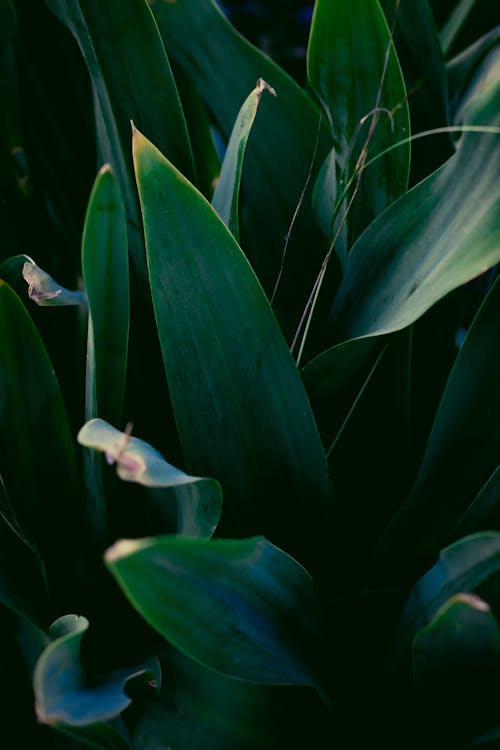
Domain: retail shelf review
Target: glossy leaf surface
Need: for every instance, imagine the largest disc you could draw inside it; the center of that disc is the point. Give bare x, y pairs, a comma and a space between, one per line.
243, 608
229, 370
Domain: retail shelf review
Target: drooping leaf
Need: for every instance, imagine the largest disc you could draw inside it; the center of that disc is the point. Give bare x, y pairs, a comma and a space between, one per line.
227, 192
462, 451
219, 338
198, 500
456, 658
422, 247
46, 292
467, 66
62, 695
106, 279
243, 608
285, 136
471, 565
365, 102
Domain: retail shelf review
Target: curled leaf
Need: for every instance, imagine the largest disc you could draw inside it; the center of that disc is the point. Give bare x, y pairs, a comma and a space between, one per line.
46, 292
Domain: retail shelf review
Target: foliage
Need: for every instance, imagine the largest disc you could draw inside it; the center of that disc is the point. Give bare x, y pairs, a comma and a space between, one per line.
307, 331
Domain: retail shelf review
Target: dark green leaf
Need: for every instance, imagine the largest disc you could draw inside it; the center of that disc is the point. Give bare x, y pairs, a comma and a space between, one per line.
200, 708
463, 68
243, 608
483, 511
219, 338
469, 565
462, 451
280, 150
106, 279
419, 51
353, 68
227, 192
61, 693
422, 247
336, 379
37, 464
113, 37
454, 23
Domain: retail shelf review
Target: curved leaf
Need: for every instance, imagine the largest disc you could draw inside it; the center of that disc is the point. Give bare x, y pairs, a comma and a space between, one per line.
230, 373
421, 57
46, 292
462, 451
353, 68
471, 565
198, 500
61, 693
243, 608
226, 196
284, 136
422, 247
36, 452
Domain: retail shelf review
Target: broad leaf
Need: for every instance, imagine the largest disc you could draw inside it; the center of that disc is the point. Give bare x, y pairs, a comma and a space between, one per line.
200, 708
422, 247
219, 338
62, 695
353, 68
470, 565
227, 192
198, 500
281, 148
462, 451
106, 279
37, 463
456, 659
243, 608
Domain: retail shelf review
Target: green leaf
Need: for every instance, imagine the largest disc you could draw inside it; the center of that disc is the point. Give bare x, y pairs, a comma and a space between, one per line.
281, 149
198, 500
106, 279
230, 374
200, 708
46, 292
455, 22
114, 37
353, 68
462, 637
99, 736
456, 659
422, 247
421, 57
466, 66
483, 511
243, 608
227, 192
462, 451
336, 379
469, 565
62, 695
36, 452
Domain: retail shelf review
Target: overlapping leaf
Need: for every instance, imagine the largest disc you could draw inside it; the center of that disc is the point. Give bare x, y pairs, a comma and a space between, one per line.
243, 608
229, 370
